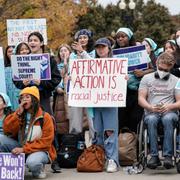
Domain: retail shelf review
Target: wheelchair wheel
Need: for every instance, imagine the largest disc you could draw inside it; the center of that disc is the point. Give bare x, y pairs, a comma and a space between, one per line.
178, 166
140, 137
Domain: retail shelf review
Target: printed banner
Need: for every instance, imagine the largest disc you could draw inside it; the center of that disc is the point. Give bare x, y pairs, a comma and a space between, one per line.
98, 82
2, 72
12, 166
32, 66
137, 57
18, 30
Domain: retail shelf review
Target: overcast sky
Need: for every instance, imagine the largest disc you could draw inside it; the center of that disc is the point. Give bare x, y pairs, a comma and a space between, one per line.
172, 5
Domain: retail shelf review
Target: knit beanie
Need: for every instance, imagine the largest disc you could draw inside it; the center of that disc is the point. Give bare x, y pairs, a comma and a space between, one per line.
127, 31
33, 90
6, 99
151, 43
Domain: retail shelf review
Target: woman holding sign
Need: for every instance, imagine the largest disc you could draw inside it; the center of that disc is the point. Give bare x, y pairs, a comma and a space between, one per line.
34, 130
83, 47
131, 115
36, 44
106, 119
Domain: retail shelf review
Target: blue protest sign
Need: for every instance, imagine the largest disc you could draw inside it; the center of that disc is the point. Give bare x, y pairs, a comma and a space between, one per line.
137, 57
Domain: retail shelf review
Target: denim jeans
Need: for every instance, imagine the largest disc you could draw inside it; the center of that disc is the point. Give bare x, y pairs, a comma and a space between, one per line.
34, 161
75, 120
167, 120
107, 119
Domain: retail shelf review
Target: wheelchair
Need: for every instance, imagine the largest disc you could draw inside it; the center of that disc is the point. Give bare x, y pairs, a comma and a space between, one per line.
143, 144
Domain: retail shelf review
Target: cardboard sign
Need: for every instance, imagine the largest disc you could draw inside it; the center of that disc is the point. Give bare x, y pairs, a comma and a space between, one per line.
18, 30
33, 66
12, 166
2, 72
137, 57
98, 82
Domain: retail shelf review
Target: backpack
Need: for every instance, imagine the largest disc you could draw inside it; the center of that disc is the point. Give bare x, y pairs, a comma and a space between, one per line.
70, 148
41, 121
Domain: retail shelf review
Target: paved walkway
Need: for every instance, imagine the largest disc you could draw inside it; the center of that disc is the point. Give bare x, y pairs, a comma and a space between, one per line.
72, 174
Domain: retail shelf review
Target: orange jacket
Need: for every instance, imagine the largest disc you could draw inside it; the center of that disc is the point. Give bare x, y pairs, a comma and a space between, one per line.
38, 139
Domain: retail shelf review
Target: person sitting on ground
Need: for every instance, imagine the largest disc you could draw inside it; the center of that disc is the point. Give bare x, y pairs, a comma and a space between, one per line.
34, 130
160, 98
5, 109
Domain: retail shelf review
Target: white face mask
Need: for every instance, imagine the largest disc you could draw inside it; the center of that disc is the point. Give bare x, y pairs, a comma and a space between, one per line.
162, 74
178, 41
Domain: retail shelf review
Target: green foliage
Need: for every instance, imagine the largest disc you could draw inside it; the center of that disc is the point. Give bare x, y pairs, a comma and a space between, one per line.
61, 17
147, 20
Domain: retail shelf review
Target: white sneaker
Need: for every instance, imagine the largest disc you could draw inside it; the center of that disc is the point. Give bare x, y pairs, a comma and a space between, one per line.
111, 166
42, 175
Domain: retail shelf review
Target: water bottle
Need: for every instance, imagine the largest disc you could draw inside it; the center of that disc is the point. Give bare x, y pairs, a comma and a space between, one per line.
128, 170
131, 170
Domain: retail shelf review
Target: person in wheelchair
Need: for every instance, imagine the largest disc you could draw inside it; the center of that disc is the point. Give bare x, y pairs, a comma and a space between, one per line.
160, 98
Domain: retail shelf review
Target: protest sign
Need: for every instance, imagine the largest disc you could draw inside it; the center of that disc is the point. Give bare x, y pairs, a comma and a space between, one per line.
33, 66
12, 166
137, 57
2, 72
18, 30
98, 82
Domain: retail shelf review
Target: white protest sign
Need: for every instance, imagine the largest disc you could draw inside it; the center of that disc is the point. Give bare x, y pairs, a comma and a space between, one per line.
137, 57
98, 82
12, 166
32, 66
18, 30
2, 72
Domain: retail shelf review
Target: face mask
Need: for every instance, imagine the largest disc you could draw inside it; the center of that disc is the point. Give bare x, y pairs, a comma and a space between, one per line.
162, 74
178, 41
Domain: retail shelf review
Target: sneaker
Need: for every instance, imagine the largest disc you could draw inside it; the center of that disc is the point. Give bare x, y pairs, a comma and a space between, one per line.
111, 166
168, 162
55, 166
153, 162
42, 175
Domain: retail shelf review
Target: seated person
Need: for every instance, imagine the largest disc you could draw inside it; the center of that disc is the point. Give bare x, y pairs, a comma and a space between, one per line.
160, 98
5, 109
34, 130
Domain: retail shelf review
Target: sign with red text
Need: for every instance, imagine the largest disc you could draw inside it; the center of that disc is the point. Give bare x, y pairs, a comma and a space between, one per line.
18, 30
12, 166
98, 82
2, 72
32, 66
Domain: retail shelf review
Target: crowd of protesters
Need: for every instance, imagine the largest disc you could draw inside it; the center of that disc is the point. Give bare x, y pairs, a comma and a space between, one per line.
27, 101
